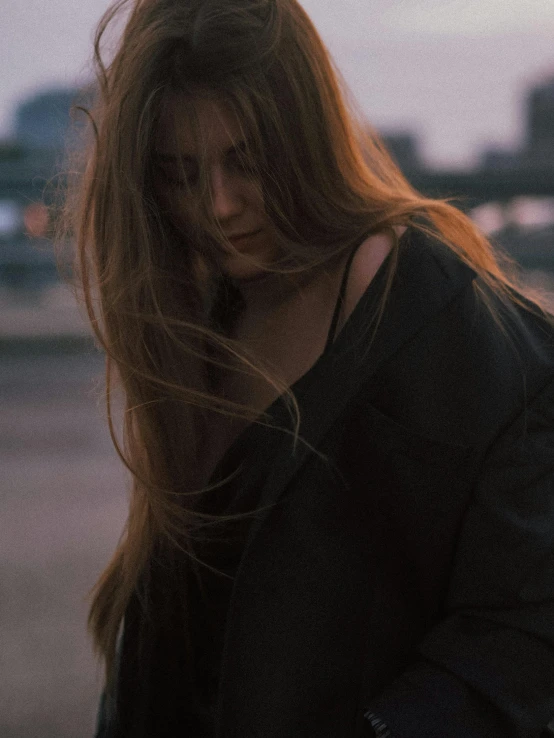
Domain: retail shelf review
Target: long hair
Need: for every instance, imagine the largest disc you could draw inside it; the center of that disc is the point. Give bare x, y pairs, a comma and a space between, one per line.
150, 289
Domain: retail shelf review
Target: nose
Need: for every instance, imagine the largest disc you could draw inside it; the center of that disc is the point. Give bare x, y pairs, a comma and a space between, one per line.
226, 198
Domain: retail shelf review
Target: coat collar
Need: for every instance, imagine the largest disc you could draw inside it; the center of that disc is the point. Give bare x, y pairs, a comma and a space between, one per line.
428, 277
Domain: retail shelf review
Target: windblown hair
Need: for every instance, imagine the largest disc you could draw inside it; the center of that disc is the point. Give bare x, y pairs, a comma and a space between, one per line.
151, 288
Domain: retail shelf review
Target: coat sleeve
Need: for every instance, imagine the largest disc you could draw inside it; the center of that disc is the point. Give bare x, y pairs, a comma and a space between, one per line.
487, 669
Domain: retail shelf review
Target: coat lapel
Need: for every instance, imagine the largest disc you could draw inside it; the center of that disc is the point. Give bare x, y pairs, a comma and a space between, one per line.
427, 278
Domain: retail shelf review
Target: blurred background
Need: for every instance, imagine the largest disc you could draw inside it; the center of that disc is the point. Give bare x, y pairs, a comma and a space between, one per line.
462, 91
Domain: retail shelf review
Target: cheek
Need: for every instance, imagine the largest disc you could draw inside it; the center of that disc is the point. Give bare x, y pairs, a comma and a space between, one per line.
254, 196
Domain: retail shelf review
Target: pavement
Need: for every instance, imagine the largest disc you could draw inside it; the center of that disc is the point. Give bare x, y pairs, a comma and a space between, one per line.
46, 320
62, 508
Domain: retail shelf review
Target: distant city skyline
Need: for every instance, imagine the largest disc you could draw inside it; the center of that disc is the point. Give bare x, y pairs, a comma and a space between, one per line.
453, 72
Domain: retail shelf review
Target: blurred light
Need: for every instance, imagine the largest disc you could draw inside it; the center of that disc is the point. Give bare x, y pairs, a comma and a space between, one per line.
36, 220
10, 218
529, 212
489, 217
521, 212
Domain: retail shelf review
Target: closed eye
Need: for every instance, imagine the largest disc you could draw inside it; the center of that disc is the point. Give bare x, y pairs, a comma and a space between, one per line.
239, 160
183, 177
182, 172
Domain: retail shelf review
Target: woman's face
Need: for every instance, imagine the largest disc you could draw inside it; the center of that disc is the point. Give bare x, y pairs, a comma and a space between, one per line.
234, 197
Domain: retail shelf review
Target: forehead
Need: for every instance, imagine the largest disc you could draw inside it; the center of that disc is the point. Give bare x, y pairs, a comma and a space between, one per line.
190, 126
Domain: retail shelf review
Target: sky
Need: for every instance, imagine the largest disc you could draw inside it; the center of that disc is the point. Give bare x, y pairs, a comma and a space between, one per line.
455, 72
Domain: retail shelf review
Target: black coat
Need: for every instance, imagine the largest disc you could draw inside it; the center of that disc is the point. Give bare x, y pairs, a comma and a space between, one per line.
408, 567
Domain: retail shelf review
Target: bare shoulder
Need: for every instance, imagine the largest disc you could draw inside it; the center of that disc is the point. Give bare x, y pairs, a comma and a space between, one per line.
369, 257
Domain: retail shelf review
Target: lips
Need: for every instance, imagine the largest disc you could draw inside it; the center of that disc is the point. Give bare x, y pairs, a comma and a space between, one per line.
243, 236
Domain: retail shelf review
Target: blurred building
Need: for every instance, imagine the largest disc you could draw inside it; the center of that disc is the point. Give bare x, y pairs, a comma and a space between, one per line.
497, 158
539, 147
46, 120
404, 148
43, 120
537, 151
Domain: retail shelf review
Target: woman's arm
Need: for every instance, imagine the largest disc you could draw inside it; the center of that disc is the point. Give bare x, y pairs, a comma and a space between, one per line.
487, 670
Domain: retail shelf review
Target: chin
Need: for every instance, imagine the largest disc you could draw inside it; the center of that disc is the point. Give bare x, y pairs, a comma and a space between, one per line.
242, 268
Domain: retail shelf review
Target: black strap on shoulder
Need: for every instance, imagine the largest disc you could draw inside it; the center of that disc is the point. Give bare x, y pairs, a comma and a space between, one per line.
340, 299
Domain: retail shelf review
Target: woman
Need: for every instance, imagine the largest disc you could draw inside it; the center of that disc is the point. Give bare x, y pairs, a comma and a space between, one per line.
338, 408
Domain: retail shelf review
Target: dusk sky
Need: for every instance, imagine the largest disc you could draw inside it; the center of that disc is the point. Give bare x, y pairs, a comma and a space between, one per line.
453, 71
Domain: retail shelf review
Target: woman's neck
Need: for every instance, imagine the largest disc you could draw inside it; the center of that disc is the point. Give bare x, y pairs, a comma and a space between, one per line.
266, 293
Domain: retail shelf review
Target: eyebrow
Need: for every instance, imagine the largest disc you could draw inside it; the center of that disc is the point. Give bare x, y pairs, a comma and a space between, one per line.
164, 158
